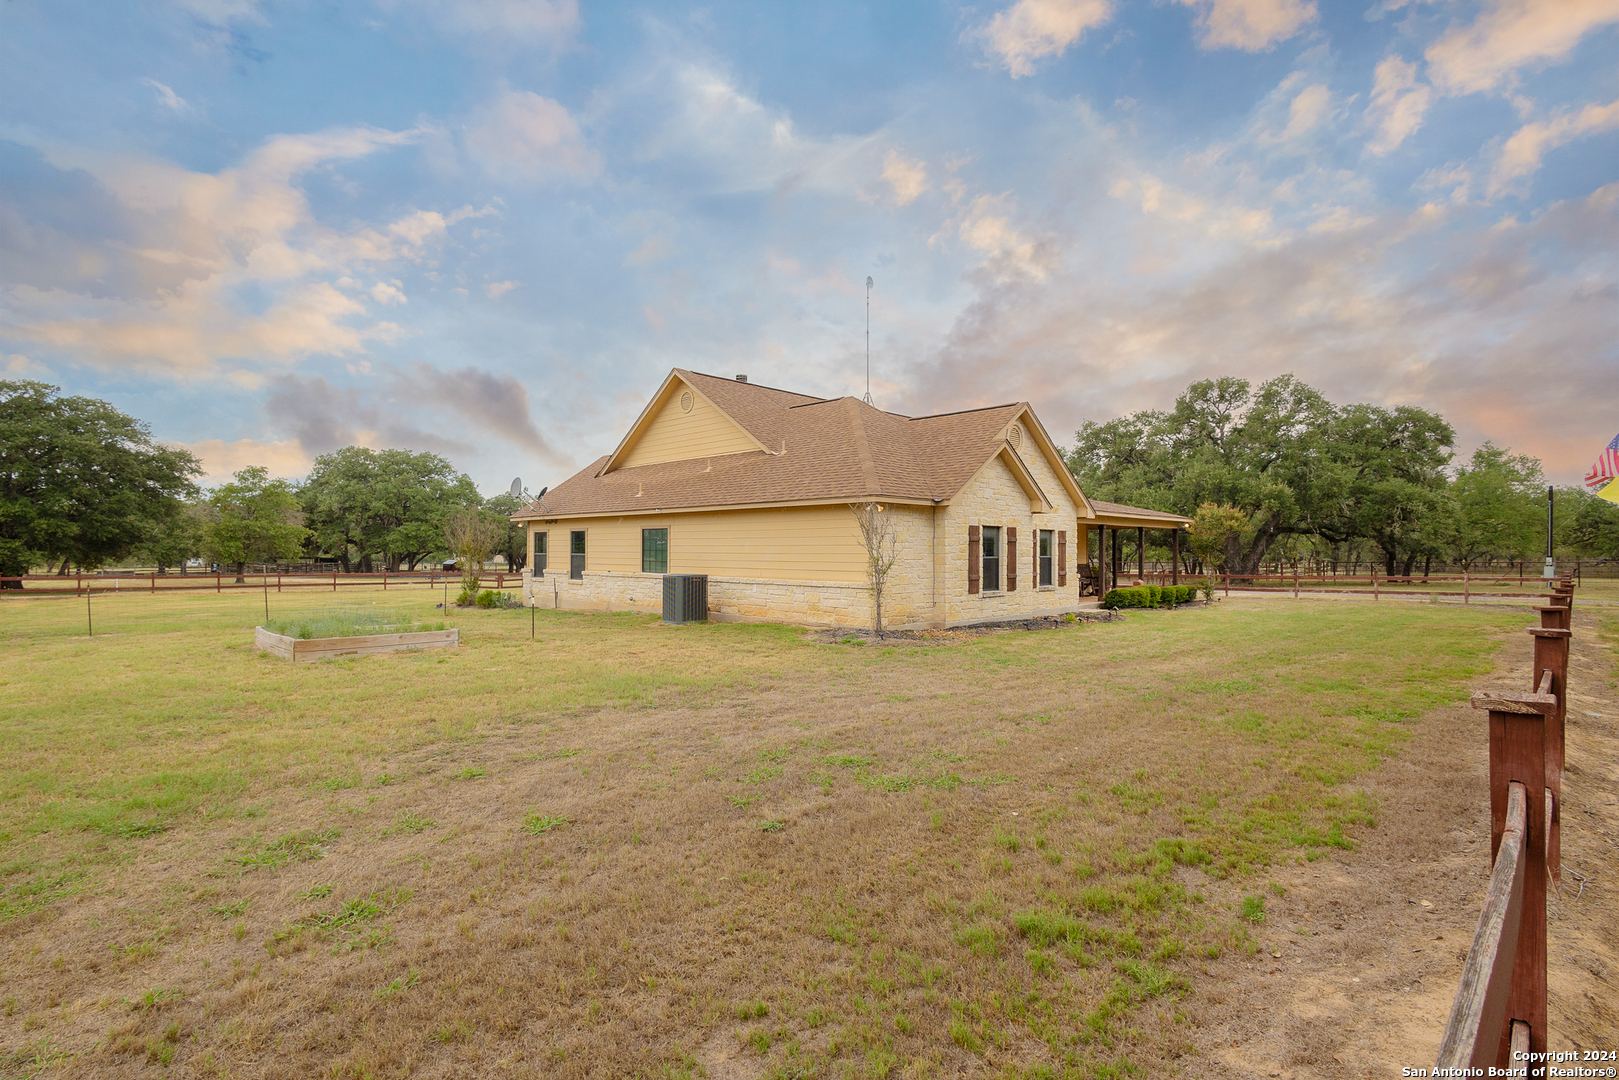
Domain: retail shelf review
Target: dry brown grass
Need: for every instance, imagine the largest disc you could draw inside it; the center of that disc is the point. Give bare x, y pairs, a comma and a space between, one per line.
1015, 855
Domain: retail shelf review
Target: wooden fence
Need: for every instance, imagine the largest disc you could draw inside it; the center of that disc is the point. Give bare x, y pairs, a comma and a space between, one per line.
1373, 584
51, 585
1498, 1018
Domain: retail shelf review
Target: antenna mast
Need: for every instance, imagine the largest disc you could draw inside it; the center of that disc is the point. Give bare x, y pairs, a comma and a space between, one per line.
868, 341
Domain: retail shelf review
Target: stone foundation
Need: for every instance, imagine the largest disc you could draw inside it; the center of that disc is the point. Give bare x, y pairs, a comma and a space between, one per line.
733, 599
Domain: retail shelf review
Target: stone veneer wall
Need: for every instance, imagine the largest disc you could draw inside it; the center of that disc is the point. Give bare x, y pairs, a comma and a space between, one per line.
813, 603
996, 498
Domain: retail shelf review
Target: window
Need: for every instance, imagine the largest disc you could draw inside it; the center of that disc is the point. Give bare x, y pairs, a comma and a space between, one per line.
992, 558
540, 545
576, 554
654, 551
1044, 557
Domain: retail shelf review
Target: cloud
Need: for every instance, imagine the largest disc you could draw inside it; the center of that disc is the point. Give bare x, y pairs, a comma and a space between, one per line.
1520, 155
21, 367
1250, 25
523, 136
223, 12
221, 460
707, 134
496, 289
486, 401
908, 178
525, 21
1399, 102
1417, 307
167, 96
166, 270
1032, 29
322, 418
986, 227
1511, 34
1306, 111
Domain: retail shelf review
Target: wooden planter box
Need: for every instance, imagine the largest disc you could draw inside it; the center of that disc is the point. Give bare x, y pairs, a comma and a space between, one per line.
306, 650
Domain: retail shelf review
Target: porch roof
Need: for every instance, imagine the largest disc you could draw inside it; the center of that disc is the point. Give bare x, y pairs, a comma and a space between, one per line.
1120, 516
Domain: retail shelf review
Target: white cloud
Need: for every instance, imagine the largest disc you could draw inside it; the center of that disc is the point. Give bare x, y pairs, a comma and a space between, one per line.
21, 366
1399, 102
221, 460
526, 21
1511, 34
521, 135
228, 266
223, 12
1032, 29
729, 141
167, 96
496, 289
986, 226
908, 178
1306, 111
1520, 155
1250, 25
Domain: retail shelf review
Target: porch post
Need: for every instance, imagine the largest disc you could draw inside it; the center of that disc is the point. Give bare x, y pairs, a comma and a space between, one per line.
1175, 557
1141, 552
1118, 555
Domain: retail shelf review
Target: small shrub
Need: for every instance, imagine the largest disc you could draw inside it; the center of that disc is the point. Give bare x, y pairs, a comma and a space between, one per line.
488, 599
538, 823
1253, 908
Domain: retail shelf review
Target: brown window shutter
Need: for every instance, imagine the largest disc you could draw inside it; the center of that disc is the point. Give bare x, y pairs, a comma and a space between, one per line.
975, 558
1011, 558
1062, 558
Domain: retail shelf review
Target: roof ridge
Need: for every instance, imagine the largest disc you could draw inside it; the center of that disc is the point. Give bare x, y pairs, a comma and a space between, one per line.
964, 412
868, 468
758, 386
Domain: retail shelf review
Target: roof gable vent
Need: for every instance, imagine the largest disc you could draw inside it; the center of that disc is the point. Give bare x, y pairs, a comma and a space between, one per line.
1015, 437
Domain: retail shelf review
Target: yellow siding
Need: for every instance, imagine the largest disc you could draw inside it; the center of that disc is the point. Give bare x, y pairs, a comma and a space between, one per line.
676, 435
809, 543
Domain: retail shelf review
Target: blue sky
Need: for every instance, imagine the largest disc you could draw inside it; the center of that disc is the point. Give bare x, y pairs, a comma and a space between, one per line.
488, 228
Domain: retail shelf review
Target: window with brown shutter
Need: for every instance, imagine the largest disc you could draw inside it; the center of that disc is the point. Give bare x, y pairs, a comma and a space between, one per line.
1011, 558
1062, 558
974, 554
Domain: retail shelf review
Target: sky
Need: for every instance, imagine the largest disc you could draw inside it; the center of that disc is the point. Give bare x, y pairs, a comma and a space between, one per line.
489, 228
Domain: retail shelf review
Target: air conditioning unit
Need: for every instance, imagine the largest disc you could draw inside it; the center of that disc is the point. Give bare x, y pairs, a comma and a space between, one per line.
685, 598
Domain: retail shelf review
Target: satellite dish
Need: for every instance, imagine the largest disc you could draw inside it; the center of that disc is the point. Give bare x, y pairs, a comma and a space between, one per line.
517, 487
543, 490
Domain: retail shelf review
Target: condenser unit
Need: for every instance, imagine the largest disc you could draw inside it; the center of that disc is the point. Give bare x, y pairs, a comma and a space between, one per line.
685, 598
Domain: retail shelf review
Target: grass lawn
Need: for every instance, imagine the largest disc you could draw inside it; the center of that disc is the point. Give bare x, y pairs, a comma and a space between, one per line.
629, 849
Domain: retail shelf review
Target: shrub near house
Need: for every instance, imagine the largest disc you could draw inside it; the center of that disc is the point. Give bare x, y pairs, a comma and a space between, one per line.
1149, 596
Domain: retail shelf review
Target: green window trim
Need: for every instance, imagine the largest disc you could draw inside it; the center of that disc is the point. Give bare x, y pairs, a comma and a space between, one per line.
654, 551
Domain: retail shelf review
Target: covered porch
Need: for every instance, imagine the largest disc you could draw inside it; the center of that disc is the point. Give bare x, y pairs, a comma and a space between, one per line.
1104, 535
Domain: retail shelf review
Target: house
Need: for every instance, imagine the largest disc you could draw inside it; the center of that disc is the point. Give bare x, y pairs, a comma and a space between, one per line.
755, 487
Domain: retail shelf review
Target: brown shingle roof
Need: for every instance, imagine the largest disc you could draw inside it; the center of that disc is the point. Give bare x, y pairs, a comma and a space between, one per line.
819, 450
1109, 509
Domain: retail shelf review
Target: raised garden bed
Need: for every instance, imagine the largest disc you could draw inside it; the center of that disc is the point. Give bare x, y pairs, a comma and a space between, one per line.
306, 650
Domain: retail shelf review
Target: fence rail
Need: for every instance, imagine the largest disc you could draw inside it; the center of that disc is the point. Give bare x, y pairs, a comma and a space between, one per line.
1373, 584
52, 586
1498, 1017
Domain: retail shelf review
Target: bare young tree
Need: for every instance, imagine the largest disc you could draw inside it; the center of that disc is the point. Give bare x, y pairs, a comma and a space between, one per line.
880, 538
472, 538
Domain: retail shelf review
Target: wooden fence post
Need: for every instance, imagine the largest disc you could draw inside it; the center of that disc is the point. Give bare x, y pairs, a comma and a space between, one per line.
1375, 594
1551, 659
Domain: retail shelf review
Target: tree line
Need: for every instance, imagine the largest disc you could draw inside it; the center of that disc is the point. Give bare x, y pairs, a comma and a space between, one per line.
1283, 474
83, 486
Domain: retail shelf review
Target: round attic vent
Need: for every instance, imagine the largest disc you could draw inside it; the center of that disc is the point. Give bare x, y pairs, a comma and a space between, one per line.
685, 401
1015, 437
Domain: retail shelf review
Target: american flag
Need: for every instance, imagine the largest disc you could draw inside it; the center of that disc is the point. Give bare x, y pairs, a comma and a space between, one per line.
1606, 469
